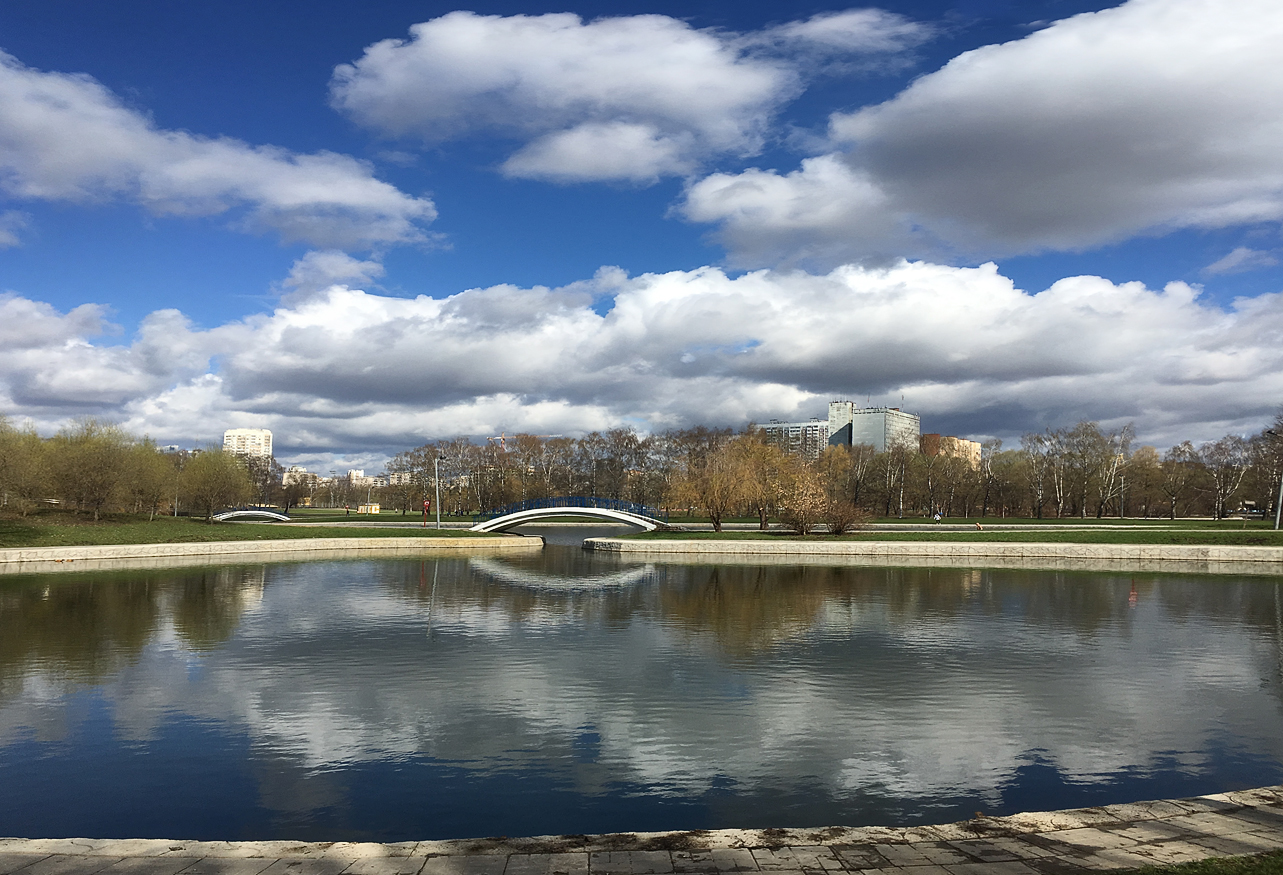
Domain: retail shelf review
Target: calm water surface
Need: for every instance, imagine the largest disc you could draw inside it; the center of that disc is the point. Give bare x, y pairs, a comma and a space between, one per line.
571, 693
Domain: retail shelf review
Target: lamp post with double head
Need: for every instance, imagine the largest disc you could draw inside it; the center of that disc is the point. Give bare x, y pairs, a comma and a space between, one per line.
1278, 501
436, 480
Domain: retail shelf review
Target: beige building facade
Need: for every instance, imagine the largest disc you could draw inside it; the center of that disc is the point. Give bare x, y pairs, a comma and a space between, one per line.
248, 441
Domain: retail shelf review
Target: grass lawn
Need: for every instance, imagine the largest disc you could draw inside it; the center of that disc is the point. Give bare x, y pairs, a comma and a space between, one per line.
1231, 536
62, 529
1260, 864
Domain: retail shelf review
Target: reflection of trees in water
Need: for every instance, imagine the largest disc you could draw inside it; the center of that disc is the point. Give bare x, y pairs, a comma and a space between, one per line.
746, 608
1253, 601
207, 607
86, 630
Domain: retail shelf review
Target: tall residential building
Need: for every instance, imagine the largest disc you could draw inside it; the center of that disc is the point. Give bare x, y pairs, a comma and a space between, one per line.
806, 439
882, 427
955, 447
248, 441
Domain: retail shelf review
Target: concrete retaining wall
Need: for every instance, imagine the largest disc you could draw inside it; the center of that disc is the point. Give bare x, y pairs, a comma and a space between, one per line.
1204, 559
28, 560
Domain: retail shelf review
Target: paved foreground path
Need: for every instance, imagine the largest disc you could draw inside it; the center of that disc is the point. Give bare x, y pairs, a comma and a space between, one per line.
1038, 843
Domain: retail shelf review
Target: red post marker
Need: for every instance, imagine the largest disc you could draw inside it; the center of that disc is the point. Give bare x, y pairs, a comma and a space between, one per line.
427, 505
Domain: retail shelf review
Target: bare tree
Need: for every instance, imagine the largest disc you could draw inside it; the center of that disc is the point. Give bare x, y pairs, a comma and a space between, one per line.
1226, 462
213, 480
1040, 456
1179, 468
23, 475
149, 477
89, 460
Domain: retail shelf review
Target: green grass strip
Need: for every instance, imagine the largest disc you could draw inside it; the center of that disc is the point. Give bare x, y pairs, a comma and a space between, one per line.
1227, 537
42, 531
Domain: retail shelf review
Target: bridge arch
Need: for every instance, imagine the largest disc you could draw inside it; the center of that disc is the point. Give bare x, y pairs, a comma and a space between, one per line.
251, 514
608, 509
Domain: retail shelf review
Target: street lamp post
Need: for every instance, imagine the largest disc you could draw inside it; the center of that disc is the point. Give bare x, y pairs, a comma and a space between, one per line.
436, 480
1278, 502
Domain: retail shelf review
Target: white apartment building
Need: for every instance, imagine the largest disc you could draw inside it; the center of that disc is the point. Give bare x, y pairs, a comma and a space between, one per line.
806, 439
882, 427
248, 441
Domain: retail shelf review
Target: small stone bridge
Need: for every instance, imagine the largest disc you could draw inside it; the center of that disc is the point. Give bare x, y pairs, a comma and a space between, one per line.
253, 513
606, 509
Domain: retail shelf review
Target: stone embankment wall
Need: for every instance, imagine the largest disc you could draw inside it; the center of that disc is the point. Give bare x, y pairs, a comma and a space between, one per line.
1204, 559
1084, 840
29, 560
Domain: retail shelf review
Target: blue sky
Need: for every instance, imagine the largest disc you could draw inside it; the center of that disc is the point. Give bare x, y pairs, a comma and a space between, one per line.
666, 214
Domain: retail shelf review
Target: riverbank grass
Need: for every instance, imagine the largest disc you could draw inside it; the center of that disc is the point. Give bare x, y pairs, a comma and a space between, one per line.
64, 529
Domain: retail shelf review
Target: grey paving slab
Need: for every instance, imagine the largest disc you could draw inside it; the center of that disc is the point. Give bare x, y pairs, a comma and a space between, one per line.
1169, 853
10, 863
1273, 839
858, 858
734, 860
1266, 817
1209, 822
630, 863
940, 853
1087, 837
529, 864
1003, 868
650, 862
1243, 843
465, 864
917, 870
985, 851
1057, 865
307, 866
150, 866
567, 864
365, 850
815, 858
775, 859
69, 864
386, 866
694, 862
1132, 811
901, 856
1154, 831
1114, 858
229, 866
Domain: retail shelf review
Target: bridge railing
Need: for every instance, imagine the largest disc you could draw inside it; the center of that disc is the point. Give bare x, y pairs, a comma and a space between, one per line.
573, 501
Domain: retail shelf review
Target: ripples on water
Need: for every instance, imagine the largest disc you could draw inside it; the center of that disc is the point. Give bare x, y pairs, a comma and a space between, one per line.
573, 692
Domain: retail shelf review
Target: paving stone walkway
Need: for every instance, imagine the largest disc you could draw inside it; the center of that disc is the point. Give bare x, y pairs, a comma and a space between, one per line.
1037, 843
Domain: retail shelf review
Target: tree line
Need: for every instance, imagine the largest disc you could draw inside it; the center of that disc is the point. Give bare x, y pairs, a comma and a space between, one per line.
91, 467
1078, 471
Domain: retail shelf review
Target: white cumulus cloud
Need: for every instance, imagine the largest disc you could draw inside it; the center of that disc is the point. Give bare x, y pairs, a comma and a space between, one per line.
320, 269
626, 98
1151, 116
65, 137
346, 370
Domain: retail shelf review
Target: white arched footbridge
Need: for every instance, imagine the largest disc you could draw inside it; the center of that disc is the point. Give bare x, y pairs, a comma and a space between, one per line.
605, 509
252, 514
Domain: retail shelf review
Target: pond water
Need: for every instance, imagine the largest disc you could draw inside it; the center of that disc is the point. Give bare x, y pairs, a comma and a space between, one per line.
574, 693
